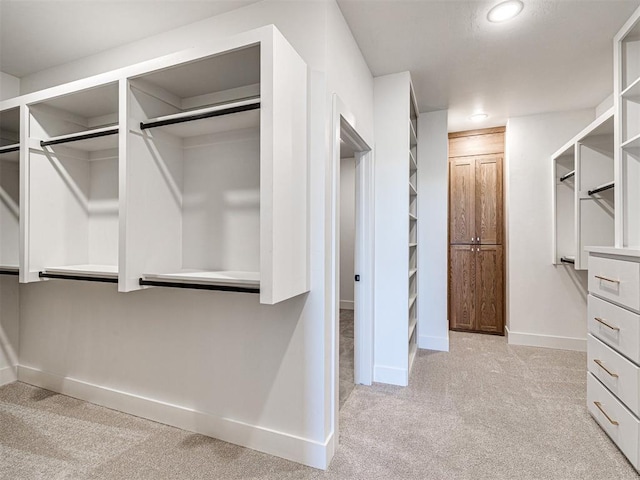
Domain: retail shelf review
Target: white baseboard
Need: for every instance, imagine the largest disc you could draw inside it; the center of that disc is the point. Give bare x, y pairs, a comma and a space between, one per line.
291, 447
546, 341
441, 344
7, 375
346, 304
390, 375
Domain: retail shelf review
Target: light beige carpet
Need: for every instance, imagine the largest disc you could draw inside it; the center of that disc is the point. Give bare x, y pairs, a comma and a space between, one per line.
483, 411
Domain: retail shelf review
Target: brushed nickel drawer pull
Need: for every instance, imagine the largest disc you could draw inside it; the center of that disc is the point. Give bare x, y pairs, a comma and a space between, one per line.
601, 365
607, 279
599, 405
599, 320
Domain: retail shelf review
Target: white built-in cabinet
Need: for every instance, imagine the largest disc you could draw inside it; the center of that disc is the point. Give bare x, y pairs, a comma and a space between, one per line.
188, 171
397, 216
613, 343
9, 190
583, 193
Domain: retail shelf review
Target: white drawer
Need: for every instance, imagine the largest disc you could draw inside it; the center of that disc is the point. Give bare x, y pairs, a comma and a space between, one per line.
615, 280
618, 422
615, 326
617, 373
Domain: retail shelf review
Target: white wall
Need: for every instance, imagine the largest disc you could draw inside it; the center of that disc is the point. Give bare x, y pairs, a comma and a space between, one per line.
9, 86
214, 362
347, 230
433, 198
9, 337
546, 304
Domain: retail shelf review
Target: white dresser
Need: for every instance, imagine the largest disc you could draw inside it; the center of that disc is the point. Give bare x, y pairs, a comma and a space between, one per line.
613, 346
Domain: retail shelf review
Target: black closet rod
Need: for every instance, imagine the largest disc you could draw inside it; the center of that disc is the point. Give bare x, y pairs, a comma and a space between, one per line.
86, 278
13, 148
199, 286
4, 271
568, 175
200, 116
76, 138
567, 260
601, 189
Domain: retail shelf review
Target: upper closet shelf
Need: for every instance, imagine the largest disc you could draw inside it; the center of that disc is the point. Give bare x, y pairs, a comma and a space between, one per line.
632, 90
90, 140
632, 143
219, 118
210, 280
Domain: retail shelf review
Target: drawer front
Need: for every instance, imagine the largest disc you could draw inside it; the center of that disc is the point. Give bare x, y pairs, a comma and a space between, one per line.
615, 326
615, 280
617, 373
618, 422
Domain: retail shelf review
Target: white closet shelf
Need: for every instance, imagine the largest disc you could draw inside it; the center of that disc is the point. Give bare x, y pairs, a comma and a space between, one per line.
413, 138
412, 300
412, 272
412, 326
413, 348
632, 143
413, 165
413, 245
226, 117
412, 217
633, 90
83, 272
228, 278
88, 140
412, 190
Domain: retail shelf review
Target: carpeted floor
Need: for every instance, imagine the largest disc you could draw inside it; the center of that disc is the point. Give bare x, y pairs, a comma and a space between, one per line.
485, 410
346, 363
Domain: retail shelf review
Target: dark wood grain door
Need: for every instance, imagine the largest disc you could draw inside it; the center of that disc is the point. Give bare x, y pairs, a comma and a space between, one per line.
462, 287
462, 199
488, 200
489, 275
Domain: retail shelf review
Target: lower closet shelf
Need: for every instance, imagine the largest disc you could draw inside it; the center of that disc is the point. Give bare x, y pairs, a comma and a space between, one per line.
225, 280
89, 272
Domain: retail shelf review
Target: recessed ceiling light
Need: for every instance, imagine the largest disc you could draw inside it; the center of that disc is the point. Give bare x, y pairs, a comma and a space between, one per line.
505, 11
478, 117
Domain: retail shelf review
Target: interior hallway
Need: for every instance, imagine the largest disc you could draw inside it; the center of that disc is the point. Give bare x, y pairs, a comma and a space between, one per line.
485, 410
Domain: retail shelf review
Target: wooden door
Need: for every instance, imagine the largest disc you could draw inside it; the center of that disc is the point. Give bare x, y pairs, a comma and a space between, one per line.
462, 287
462, 199
489, 310
488, 200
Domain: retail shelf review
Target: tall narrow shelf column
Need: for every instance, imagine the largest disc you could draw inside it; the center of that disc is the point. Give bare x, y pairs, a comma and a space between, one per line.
396, 283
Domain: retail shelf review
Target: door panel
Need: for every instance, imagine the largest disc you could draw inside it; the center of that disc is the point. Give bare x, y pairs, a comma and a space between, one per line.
489, 289
462, 201
462, 286
488, 201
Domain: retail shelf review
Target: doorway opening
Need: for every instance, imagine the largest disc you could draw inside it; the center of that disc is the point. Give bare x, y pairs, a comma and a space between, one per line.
352, 258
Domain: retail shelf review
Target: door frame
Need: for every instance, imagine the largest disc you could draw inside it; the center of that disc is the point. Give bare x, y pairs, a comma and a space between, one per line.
344, 128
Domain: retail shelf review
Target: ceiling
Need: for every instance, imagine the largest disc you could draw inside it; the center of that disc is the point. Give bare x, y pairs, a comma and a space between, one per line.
555, 56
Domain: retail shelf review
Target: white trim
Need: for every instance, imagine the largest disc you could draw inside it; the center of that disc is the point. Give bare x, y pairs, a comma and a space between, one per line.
281, 444
440, 344
7, 375
346, 304
391, 375
546, 341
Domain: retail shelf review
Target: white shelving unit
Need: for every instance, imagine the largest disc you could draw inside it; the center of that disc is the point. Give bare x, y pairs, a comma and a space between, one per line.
9, 190
186, 171
72, 186
413, 227
397, 302
584, 201
627, 139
